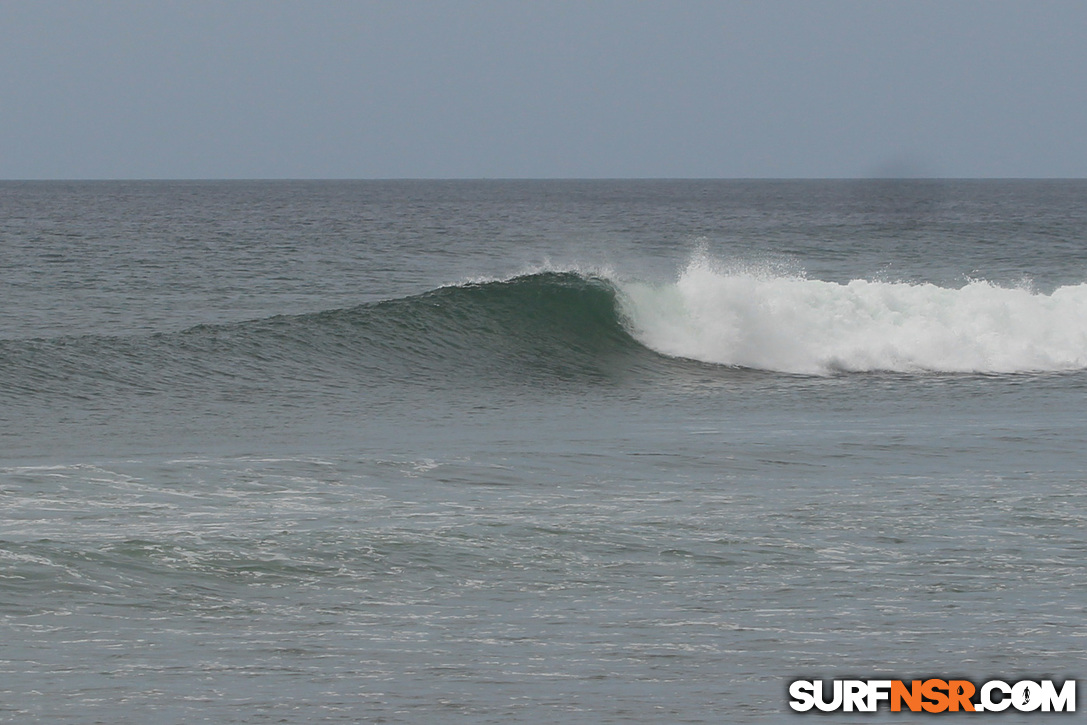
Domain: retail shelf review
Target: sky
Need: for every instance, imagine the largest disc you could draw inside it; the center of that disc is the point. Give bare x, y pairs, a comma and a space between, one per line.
204, 89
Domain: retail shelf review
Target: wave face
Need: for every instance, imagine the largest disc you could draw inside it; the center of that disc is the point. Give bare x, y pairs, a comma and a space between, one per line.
552, 325
564, 323
798, 325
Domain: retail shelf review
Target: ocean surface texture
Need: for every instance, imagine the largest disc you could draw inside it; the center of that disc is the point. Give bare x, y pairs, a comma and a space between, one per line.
535, 451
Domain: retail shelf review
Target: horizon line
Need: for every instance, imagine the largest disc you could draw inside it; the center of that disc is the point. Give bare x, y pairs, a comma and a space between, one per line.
534, 178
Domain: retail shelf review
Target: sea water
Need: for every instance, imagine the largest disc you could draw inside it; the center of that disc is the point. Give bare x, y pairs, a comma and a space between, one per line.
534, 451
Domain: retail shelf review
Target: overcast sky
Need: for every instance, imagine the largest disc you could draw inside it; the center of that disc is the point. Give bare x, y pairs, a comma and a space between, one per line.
510, 88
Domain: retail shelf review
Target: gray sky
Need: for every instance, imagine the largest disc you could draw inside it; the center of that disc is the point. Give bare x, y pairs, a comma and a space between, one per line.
637, 88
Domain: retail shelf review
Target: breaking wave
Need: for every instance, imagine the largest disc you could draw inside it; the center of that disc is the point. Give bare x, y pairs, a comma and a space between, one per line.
555, 326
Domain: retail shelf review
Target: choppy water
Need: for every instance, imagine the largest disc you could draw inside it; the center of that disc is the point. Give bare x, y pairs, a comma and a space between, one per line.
527, 451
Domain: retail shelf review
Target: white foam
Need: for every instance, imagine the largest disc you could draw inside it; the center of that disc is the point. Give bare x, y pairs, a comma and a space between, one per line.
793, 324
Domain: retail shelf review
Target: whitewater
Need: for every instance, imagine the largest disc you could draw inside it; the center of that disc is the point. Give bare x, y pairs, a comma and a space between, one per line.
797, 325
534, 451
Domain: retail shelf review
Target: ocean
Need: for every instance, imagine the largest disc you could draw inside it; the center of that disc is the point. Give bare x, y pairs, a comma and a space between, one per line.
535, 451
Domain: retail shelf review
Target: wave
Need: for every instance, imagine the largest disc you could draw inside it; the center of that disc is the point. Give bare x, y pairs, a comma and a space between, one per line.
564, 325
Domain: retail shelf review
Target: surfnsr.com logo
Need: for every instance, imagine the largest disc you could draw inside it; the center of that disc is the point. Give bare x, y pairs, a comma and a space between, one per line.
932, 695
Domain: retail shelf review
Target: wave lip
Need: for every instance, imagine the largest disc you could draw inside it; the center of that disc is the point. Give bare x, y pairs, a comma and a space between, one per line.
797, 325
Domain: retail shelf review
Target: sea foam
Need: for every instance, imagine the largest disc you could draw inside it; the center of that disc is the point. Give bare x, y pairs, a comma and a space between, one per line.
793, 324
